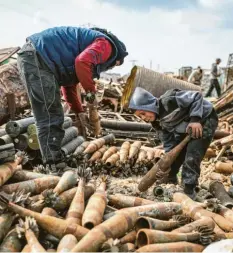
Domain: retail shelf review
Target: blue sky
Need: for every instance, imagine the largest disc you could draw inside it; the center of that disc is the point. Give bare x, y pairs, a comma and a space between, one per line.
170, 33
145, 5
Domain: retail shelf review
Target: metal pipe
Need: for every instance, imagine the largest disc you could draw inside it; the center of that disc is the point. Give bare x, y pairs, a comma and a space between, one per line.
125, 125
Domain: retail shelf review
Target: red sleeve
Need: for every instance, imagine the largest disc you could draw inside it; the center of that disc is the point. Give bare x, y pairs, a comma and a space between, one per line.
71, 97
98, 52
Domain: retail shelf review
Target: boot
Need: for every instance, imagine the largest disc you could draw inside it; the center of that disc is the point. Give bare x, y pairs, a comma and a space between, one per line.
189, 190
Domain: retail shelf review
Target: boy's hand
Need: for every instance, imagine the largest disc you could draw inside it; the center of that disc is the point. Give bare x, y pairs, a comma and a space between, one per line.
196, 129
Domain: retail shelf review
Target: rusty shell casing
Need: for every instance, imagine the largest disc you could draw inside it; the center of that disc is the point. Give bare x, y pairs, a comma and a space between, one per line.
66, 182
127, 247
15, 128
98, 154
122, 201
67, 243
217, 176
70, 134
148, 236
205, 221
111, 151
223, 236
94, 146
217, 189
33, 142
76, 210
94, 119
5, 139
219, 134
142, 156
21, 142
222, 167
150, 155
155, 224
6, 220
226, 213
50, 211
64, 200
11, 243
172, 247
35, 186
195, 211
129, 238
158, 153
116, 227
226, 141
24, 175
112, 160
93, 214
8, 170
162, 165
160, 212
210, 153
134, 149
124, 151
80, 149
54, 226
26, 248
33, 241
71, 146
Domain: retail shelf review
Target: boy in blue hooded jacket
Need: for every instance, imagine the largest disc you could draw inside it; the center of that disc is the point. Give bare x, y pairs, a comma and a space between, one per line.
174, 114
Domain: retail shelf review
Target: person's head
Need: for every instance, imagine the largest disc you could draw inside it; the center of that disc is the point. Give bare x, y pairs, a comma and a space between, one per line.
121, 48
144, 104
218, 60
199, 69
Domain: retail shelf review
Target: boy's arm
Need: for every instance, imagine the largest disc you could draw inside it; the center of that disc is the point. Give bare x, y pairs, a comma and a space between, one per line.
194, 101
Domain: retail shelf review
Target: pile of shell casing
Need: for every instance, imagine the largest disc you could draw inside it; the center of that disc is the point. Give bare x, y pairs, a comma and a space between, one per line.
120, 161
74, 213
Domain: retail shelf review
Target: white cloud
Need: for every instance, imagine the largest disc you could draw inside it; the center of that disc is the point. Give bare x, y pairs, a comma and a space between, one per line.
170, 39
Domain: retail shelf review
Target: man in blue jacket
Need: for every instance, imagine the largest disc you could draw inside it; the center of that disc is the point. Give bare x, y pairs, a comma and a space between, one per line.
64, 56
174, 114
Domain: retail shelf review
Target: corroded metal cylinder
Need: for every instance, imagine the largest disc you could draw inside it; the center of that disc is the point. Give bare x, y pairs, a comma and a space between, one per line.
70, 134
70, 147
21, 142
14, 128
154, 82
5, 139
33, 142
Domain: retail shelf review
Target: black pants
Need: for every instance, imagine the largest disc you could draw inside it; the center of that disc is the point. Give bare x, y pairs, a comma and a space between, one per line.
214, 84
192, 155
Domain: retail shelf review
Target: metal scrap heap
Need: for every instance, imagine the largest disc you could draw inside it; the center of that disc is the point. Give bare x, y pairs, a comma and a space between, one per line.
89, 206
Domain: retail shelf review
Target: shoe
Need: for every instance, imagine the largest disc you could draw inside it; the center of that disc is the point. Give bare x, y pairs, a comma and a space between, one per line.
189, 190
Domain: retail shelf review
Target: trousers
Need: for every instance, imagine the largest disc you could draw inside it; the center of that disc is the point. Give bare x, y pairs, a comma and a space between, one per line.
194, 152
44, 95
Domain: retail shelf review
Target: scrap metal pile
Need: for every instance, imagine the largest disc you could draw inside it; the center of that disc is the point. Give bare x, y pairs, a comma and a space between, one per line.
73, 213
74, 210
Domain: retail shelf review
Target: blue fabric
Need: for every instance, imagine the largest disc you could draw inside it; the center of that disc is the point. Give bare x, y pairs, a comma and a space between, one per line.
143, 100
59, 46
